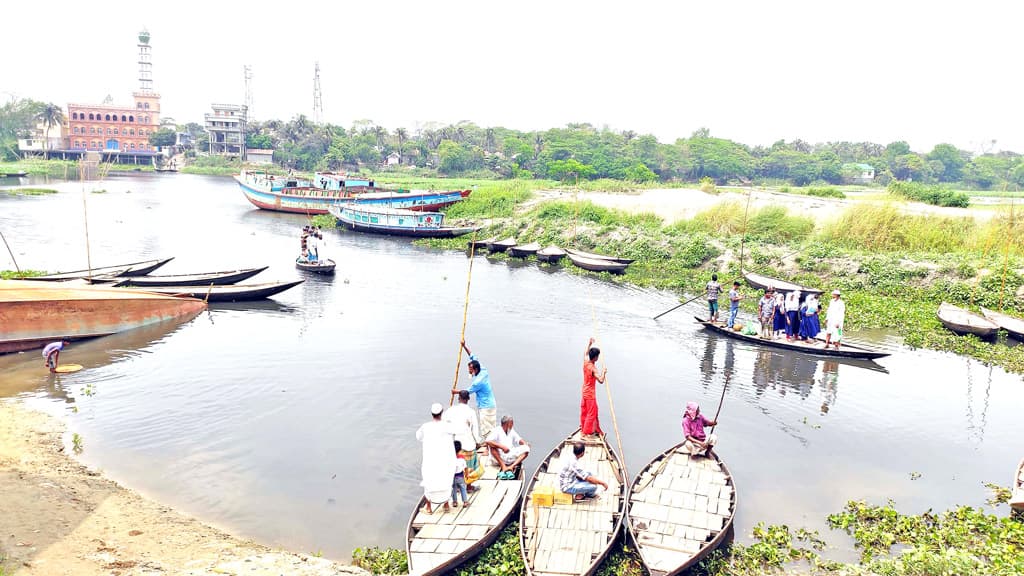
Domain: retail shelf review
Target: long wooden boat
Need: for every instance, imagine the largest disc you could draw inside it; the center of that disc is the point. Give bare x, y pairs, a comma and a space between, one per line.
681, 507
323, 266
440, 542
761, 282
846, 350
1013, 326
1017, 496
550, 254
501, 245
225, 293
395, 221
14, 174
572, 539
480, 244
593, 256
595, 265
34, 314
326, 189
524, 250
204, 279
130, 269
962, 321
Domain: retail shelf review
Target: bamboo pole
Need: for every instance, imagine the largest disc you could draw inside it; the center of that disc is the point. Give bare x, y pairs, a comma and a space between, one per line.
465, 314
743, 238
624, 477
9, 252
85, 217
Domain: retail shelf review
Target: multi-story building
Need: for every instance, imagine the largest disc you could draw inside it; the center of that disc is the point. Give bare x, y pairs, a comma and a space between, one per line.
226, 126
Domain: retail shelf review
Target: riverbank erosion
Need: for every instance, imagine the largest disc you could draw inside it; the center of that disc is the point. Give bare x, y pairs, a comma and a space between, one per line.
59, 517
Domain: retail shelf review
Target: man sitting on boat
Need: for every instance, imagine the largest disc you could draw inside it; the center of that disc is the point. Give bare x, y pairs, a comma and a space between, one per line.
576, 481
507, 448
834, 318
438, 460
698, 443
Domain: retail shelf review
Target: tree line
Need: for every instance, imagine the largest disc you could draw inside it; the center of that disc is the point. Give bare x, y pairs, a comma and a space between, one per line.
579, 151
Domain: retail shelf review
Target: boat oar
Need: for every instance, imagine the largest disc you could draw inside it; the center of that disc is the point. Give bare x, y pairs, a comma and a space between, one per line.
681, 305
465, 312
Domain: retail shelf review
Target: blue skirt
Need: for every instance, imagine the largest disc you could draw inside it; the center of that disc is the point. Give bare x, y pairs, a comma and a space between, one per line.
809, 326
793, 326
780, 320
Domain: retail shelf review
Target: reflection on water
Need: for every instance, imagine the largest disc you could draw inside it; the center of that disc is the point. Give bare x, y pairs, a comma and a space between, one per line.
292, 421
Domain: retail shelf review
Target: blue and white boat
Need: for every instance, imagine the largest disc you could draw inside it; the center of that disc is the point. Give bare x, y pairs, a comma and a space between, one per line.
395, 221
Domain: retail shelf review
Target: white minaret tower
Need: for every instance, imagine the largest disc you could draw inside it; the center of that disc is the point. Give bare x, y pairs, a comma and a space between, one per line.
145, 63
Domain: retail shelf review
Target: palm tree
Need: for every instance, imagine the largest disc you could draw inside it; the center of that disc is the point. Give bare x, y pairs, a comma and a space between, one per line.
51, 115
401, 135
538, 145
381, 134
489, 140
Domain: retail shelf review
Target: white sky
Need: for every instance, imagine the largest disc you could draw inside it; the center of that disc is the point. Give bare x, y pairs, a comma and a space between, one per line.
755, 72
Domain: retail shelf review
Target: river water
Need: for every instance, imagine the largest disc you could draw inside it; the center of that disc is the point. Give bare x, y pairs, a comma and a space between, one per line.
292, 421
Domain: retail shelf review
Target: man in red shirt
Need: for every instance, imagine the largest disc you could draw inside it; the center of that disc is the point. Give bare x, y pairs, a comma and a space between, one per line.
591, 375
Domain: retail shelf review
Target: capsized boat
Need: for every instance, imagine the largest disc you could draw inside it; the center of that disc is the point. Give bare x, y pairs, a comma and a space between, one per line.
598, 265
130, 269
963, 321
34, 314
501, 245
524, 250
550, 254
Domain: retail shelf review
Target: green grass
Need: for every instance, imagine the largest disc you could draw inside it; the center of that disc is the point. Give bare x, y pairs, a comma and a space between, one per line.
14, 275
30, 191
63, 168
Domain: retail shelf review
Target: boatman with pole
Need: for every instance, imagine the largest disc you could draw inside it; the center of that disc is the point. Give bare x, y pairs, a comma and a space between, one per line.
52, 353
481, 386
589, 423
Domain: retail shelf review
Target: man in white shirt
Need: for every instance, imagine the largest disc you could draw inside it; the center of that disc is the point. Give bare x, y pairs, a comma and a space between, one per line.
463, 422
507, 448
834, 319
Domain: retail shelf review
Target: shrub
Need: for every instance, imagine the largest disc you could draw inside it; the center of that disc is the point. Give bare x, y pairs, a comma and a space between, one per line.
929, 194
825, 192
707, 185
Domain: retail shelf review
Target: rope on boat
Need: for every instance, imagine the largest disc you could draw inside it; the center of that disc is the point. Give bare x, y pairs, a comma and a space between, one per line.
465, 313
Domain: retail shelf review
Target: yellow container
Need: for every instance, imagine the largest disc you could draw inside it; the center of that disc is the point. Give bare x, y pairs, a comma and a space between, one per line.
563, 498
543, 495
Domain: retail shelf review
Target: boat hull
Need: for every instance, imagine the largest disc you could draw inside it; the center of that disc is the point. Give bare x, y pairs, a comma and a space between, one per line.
961, 321
230, 293
314, 201
594, 256
1013, 326
845, 351
524, 250
215, 278
34, 315
595, 265
121, 270
326, 268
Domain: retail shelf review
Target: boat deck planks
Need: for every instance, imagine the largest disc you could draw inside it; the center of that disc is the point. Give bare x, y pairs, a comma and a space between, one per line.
571, 539
680, 508
436, 540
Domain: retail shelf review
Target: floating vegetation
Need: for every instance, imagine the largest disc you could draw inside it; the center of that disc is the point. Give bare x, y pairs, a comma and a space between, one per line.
30, 191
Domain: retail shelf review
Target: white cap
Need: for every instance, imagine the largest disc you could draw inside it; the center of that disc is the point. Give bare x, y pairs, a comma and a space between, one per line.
835, 292
436, 408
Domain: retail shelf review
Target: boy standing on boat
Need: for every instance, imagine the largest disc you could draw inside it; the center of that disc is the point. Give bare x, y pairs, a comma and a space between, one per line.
576, 481
589, 423
766, 313
697, 441
713, 289
834, 319
484, 396
734, 304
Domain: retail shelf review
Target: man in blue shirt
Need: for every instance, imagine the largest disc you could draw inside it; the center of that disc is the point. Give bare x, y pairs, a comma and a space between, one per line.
484, 396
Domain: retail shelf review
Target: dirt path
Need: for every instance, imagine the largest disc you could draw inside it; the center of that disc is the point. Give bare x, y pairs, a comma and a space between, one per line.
59, 518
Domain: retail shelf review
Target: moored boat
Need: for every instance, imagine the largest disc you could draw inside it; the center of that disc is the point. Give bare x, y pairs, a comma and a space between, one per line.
846, 350
203, 279
14, 174
594, 256
1017, 496
1013, 326
326, 189
681, 507
524, 250
34, 314
322, 266
396, 221
442, 541
761, 282
501, 245
596, 265
225, 293
130, 269
963, 321
566, 537
480, 244
550, 254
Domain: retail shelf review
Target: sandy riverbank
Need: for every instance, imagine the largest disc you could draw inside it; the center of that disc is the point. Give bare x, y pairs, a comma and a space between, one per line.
57, 517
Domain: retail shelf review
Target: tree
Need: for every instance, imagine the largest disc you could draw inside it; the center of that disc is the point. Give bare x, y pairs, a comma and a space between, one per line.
453, 157
562, 168
953, 161
259, 141
639, 172
401, 136
51, 115
164, 137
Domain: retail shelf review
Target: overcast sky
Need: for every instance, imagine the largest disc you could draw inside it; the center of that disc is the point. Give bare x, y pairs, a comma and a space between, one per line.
755, 72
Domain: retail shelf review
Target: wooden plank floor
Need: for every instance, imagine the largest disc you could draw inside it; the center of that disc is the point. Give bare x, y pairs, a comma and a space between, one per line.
565, 539
676, 512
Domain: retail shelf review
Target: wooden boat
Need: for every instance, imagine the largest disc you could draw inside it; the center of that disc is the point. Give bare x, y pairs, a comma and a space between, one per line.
14, 174
1017, 496
595, 265
501, 245
572, 538
34, 314
962, 321
681, 508
550, 254
326, 189
524, 250
324, 266
593, 256
761, 282
395, 221
204, 279
1014, 326
130, 269
440, 542
846, 350
225, 293
480, 244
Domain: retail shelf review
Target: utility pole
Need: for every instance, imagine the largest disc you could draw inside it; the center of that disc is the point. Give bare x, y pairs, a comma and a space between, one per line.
248, 91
